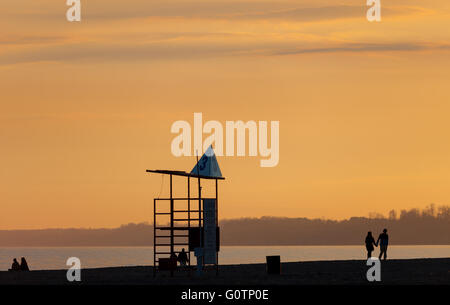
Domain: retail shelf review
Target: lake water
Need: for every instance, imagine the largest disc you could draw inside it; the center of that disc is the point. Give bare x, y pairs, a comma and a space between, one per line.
92, 257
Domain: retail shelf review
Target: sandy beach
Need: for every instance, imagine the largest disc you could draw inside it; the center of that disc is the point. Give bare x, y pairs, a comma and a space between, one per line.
353, 272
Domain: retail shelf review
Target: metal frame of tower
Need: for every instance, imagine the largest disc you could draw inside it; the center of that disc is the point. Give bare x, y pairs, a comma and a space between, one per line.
190, 211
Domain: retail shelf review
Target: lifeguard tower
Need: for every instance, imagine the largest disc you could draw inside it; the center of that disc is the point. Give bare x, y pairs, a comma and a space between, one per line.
190, 222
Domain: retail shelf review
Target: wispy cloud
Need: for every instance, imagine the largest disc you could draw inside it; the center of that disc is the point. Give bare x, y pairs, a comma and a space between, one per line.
91, 52
363, 47
30, 40
201, 29
299, 10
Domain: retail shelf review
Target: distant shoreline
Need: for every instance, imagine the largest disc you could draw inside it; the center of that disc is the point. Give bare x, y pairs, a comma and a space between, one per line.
434, 271
414, 227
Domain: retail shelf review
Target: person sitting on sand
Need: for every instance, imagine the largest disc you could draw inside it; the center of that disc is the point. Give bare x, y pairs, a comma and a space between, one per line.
383, 239
183, 258
370, 242
23, 265
15, 265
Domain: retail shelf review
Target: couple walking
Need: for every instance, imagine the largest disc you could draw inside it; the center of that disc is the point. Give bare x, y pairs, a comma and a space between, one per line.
383, 239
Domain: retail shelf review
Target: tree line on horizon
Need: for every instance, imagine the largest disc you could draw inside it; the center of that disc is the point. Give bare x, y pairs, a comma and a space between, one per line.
430, 226
422, 227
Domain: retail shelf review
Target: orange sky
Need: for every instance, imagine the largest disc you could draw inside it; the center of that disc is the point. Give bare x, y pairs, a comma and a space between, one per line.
87, 107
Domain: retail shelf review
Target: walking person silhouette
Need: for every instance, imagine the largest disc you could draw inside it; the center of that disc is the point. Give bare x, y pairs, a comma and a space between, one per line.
183, 258
383, 239
370, 242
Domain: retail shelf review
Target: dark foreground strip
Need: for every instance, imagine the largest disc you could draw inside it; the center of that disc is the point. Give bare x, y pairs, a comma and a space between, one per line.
127, 295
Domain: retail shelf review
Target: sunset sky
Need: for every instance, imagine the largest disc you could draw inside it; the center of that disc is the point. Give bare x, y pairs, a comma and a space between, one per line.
86, 108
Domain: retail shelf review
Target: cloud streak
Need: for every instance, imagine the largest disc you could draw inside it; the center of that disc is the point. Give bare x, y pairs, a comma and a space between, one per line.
202, 29
363, 47
92, 52
229, 10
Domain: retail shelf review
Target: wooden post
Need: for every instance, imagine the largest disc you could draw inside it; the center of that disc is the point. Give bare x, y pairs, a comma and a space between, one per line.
171, 223
154, 237
199, 200
199, 209
189, 217
171, 218
217, 224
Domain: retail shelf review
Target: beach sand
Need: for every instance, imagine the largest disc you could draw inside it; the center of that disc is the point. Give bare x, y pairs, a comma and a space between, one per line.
353, 272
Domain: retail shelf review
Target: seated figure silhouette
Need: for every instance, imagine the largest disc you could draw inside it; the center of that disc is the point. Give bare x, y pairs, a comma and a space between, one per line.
23, 265
15, 265
370, 242
183, 258
173, 262
383, 239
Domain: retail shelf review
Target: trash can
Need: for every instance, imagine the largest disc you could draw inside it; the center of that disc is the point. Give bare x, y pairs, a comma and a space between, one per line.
273, 264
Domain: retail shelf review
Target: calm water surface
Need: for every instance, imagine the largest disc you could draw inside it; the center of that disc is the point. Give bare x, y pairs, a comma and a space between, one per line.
92, 257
